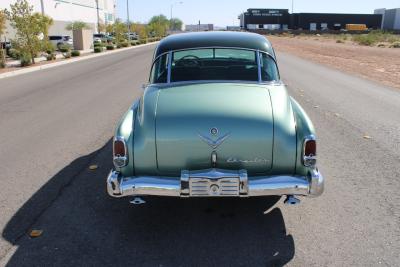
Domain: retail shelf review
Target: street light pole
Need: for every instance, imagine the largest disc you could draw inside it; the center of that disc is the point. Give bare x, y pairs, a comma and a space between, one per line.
172, 6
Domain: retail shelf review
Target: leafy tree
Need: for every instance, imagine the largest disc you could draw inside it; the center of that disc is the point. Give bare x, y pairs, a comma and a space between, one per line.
2, 30
139, 29
119, 29
101, 26
109, 28
175, 24
77, 25
158, 25
31, 28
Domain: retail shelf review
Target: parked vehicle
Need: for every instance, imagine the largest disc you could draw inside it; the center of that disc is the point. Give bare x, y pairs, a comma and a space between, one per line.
60, 40
6, 45
101, 37
215, 121
132, 36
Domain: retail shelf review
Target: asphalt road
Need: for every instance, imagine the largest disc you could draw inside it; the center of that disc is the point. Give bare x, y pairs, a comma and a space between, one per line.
55, 123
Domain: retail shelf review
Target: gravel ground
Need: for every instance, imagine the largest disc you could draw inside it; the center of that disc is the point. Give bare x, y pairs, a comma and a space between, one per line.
374, 63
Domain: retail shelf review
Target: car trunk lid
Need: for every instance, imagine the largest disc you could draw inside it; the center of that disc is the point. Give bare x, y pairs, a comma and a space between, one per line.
235, 121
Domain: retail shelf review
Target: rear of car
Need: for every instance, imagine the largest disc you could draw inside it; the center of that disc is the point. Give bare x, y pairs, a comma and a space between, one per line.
215, 122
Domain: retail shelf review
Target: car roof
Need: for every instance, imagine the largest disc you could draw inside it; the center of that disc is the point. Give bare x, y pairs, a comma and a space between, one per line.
229, 39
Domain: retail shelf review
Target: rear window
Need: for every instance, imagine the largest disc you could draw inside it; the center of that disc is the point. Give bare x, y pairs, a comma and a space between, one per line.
214, 64
55, 38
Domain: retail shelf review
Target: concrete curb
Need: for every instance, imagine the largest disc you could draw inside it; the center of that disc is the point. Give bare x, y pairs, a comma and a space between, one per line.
72, 60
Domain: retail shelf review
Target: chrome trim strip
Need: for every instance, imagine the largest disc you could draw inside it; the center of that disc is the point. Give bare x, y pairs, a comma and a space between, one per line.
169, 67
162, 85
259, 66
312, 185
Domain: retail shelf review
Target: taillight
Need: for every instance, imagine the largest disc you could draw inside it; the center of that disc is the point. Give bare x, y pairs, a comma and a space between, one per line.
310, 152
120, 153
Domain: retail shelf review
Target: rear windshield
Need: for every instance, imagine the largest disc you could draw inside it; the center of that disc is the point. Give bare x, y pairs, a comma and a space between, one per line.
55, 37
214, 64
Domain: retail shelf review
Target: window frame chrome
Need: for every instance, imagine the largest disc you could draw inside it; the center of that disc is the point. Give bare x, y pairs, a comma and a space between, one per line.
258, 59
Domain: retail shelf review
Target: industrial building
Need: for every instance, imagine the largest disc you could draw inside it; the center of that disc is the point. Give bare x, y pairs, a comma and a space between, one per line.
391, 18
63, 12
281, 19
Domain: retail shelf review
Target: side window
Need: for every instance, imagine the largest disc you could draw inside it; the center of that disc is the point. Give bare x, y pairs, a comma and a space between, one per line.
159, 72
269, 70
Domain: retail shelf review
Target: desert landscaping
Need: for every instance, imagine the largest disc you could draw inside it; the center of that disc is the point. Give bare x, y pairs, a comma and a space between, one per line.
377, 61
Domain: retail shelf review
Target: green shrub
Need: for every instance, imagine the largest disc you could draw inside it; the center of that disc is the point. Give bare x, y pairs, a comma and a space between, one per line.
143, 41
98, 49
64, 48
339, 41
395, 45
381, 45
50, 56
2, 59
75, 53
133, 43
67, 54
26, 59
14, 53
110, 47
377, 36
364, 39
119, 46
124, 44
97, 44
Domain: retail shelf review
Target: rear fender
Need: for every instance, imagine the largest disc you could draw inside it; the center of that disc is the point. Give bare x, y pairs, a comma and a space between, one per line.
304, 128
125, 129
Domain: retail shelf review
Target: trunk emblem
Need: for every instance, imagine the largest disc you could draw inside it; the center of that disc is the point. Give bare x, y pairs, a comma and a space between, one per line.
214, 144
214, 131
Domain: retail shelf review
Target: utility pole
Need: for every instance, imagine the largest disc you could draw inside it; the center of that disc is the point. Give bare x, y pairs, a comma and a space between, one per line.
98, 16
42, 6
128, 22
292, 6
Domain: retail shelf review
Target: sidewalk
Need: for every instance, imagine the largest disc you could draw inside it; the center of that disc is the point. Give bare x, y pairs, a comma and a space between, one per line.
16, 70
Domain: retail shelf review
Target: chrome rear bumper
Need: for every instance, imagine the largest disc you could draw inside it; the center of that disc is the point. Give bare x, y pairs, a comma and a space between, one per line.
215, 183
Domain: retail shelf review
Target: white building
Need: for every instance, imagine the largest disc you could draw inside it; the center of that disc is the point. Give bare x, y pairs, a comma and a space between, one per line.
64, 12
390, 18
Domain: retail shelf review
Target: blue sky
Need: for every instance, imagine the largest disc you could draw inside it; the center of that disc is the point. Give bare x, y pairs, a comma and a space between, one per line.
225, 12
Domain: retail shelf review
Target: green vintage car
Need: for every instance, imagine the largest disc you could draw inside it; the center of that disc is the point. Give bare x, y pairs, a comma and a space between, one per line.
215, 121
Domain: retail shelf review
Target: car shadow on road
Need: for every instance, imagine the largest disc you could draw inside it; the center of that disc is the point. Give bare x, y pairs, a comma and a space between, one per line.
84, 226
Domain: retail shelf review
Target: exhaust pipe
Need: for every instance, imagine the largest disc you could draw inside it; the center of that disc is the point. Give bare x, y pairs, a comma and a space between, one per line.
291, 200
